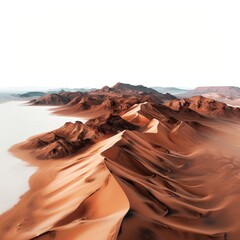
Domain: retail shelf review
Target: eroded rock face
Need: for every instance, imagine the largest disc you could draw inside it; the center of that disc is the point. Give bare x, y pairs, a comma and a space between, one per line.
73, 137
100, 95
205, 106
56, 98
110, 124
62, 142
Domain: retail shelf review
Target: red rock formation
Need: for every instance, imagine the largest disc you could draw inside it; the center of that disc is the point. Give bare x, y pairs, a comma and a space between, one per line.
56, 98
205, 106
119, 90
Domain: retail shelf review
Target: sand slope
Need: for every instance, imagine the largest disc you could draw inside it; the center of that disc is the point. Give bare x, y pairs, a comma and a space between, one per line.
175, 176
66, 199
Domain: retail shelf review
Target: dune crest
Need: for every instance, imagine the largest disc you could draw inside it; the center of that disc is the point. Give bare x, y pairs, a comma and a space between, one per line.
150, 171
74, 198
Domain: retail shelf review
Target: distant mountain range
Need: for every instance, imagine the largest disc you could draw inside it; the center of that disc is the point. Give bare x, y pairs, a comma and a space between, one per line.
58, 90
127, 88
226, 94
106, 95
14, 95
55, 90
29, 94
227, 91
171, 90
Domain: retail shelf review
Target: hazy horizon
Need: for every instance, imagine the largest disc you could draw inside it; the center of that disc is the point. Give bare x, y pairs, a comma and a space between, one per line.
32, 88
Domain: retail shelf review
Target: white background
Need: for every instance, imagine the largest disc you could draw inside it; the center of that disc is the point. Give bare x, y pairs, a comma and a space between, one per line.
55, 43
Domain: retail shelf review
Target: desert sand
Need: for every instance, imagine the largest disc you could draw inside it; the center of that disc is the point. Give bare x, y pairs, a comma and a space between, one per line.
151, 172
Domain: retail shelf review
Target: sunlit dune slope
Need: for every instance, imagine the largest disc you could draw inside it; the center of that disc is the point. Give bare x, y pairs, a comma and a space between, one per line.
149, 172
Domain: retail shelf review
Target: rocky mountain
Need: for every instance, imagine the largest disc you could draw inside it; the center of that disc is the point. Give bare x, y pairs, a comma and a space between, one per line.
205, 106
226, 91
30, 94
72, 137
119, 97
127, 89
61, 98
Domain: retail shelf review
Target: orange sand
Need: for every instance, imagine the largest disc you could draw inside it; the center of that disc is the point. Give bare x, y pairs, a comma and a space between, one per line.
176, 178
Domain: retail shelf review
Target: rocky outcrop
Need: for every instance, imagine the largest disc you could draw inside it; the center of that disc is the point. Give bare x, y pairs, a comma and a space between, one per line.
56, 98
82, 101
205, 106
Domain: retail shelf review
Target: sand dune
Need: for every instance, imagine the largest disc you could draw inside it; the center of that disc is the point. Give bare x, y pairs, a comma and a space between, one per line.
153, 172
66, 199
95, 103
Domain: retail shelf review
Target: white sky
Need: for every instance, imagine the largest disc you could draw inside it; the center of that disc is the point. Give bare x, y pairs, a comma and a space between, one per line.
56, 43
